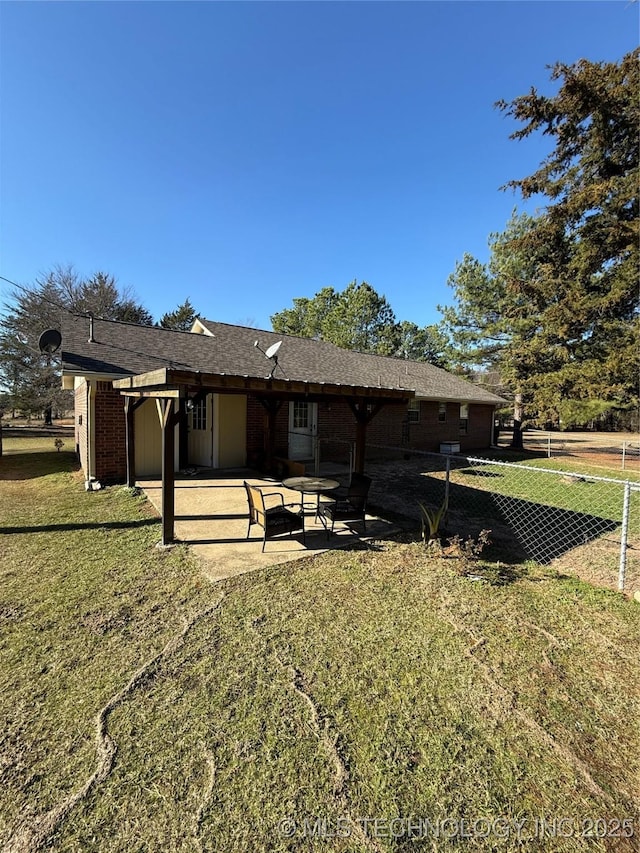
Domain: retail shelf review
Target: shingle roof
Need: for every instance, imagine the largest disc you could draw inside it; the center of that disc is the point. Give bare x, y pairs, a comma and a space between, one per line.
125, 349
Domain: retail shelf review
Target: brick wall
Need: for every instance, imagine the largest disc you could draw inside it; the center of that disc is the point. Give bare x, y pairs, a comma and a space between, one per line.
390, 427
480, 428
256, 415
430, 430
110, 437
335, 422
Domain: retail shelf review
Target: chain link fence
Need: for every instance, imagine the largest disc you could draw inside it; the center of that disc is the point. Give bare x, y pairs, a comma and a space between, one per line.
617, 450
585, 524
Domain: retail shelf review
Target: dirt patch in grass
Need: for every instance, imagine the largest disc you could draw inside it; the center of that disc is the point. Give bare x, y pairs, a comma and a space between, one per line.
10, 612
603, 450
597, 564
100, 622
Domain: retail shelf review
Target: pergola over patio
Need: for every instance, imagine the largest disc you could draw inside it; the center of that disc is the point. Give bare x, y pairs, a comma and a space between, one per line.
172, 388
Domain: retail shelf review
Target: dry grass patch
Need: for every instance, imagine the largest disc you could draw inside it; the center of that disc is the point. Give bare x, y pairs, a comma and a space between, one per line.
374, 683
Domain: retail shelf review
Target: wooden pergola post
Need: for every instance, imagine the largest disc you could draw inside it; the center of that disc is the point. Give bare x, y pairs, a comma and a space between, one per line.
130, 406
364, 413
167, 411
272, 407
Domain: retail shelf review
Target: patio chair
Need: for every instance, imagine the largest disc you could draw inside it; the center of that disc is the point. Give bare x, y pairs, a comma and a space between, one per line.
273, 520
350, 508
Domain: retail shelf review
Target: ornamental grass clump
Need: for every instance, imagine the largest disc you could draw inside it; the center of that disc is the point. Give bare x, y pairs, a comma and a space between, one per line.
431, 519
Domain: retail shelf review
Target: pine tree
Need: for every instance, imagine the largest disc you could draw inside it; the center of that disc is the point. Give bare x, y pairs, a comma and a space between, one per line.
182, 319
31, 379
588, 235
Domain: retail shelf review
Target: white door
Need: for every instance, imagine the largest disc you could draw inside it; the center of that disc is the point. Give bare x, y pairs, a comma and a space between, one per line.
201, 433
302, 429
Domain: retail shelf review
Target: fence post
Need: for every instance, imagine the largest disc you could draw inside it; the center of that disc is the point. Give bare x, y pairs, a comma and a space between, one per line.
446, 483
549, 446
623, 535
624, 452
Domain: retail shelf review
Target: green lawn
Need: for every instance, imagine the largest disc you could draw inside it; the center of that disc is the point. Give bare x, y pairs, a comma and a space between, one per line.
145, 709
580, 490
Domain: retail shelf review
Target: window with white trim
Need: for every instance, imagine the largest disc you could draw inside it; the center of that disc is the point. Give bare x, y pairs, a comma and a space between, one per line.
199, 415
300, 414
464, 418
413, 411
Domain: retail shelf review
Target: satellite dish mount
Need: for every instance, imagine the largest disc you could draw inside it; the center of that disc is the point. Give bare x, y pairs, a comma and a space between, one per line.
270, 353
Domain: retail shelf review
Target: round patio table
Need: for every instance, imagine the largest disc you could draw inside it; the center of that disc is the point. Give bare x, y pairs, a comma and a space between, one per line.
311, 486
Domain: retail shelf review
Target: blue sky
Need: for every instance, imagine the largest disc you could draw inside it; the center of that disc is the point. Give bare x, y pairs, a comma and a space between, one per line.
243, 154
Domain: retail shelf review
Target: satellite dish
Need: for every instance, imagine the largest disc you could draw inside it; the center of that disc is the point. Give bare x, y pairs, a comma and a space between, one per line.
273, 349
271, 353
50, 341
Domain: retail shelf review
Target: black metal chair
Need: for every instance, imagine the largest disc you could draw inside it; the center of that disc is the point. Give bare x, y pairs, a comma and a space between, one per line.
273, 520
350, 508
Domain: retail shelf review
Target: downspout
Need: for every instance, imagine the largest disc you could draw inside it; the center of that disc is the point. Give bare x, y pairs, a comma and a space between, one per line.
215, 430
88, 430
91, 448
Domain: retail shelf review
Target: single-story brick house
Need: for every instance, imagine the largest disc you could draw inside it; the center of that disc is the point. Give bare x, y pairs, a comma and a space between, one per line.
233, 406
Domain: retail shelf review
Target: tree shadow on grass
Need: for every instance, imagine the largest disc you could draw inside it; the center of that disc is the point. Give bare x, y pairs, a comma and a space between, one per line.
29, 465
89, 525
520, 530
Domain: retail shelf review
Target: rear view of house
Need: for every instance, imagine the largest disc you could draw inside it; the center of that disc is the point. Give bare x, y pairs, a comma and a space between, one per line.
235, 406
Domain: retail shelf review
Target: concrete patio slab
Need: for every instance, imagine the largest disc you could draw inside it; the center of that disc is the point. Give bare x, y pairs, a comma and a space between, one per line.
211, 516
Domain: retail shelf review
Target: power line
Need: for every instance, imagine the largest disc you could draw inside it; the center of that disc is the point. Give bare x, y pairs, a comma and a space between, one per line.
59, 305
40, 296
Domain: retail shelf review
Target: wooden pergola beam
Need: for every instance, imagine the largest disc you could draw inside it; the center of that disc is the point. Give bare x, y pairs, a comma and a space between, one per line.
148, 394
170, 382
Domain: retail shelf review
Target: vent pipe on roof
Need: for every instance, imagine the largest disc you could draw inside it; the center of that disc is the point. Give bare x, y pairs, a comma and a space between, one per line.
92, 340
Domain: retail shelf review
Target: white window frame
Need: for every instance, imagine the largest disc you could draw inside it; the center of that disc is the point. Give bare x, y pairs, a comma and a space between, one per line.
199, 415
464, 418
413, 411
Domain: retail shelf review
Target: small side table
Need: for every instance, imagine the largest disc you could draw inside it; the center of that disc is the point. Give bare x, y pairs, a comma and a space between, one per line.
311, 486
